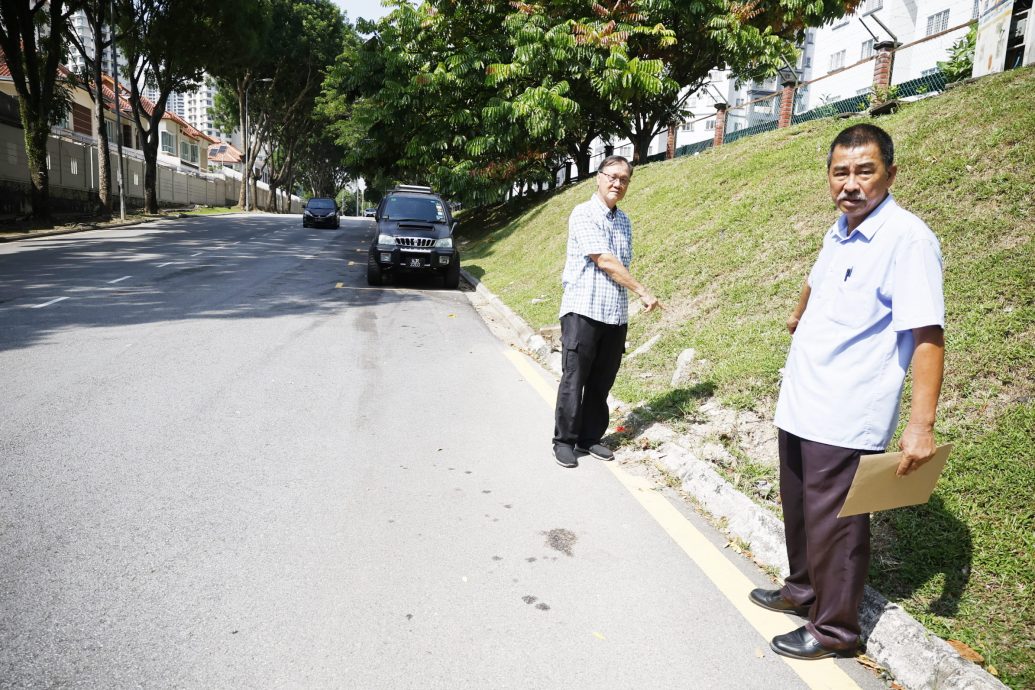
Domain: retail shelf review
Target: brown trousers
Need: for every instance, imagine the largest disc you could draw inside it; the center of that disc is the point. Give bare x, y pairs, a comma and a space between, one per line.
829, 556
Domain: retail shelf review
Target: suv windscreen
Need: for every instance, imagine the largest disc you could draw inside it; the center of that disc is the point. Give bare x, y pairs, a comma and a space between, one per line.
321, 203
410, 208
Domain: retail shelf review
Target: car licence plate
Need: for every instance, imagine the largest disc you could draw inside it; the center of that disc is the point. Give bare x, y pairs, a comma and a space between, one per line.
416, 263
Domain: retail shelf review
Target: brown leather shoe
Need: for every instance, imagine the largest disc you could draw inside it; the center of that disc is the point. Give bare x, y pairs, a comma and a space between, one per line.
774, 601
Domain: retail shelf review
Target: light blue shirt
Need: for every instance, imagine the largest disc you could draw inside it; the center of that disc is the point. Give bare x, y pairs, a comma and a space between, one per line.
593, 228
854, 343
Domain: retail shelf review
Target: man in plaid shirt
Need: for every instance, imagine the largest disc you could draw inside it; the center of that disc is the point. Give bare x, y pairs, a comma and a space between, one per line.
594, 314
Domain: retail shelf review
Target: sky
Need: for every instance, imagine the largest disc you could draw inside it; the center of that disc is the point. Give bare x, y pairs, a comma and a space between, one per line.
368, 9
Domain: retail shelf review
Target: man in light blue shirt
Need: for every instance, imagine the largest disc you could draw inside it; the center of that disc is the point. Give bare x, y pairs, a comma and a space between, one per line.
871, 307
594, 314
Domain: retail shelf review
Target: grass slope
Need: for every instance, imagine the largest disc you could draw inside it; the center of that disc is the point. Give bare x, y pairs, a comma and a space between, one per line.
726, 238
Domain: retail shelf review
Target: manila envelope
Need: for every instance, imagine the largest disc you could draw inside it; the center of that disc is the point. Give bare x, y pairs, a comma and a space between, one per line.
877, 487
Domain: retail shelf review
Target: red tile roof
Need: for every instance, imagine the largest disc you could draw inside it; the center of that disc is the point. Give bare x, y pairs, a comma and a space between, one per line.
224, 152
149, 108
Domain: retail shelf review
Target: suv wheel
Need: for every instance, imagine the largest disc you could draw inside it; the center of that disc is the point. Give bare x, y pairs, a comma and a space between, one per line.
374, 274
451, 279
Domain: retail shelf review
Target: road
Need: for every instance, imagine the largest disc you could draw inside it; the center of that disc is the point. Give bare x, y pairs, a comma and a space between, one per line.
227, 462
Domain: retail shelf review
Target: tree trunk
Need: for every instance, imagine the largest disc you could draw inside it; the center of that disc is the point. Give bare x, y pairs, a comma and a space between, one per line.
36, 133
244, 163
641, 146
150, 175
101, 133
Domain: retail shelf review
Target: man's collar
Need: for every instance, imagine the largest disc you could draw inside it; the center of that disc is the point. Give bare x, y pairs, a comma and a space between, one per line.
871, 223
610, 213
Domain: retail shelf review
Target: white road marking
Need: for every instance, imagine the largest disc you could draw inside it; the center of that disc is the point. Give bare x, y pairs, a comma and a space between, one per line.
118, 280
733, 584
196, 254
165, 264
47, 304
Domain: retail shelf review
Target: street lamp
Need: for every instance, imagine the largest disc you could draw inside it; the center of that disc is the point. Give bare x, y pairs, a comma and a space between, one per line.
247, 142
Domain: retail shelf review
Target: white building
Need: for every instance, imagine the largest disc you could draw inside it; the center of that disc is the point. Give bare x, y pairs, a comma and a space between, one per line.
835, 63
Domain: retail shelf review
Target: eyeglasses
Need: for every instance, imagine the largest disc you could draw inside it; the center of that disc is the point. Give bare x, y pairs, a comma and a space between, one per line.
619, 180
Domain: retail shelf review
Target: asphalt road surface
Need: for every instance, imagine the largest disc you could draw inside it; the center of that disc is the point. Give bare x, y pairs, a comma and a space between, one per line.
227, 462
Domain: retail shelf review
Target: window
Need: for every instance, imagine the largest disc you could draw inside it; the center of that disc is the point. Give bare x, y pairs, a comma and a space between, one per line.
709, 125
871, 6
938, 22
808, 61
740, 101
194, 153
73, 166
977, 9
862, 92
866, 50
687, 127
81, 121
837, 60
168, 143
109, 128
184, 151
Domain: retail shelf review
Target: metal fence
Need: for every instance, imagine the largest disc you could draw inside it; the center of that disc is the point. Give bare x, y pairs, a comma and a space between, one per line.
753, 117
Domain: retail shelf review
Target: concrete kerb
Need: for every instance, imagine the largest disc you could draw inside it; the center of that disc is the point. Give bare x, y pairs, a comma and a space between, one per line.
917, 658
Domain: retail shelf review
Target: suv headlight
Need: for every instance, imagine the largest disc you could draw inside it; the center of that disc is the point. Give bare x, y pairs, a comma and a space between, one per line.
446, 242
385, 239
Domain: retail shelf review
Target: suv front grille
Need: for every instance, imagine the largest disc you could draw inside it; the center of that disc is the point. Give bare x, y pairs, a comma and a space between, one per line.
422, 242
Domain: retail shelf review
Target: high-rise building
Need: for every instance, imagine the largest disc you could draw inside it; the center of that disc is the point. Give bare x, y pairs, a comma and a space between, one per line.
76, 62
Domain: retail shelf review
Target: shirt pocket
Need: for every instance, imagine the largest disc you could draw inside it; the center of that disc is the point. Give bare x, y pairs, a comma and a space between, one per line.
854, 306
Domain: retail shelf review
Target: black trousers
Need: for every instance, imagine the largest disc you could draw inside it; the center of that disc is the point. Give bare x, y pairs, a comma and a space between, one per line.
592, 352
829, 556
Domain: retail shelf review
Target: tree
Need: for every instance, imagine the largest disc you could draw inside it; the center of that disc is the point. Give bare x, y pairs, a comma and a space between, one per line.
98, 17
33, 39
168, 44
305, 38
237, 73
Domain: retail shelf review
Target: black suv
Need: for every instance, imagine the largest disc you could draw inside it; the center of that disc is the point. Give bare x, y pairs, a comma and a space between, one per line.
319, 212
414, 233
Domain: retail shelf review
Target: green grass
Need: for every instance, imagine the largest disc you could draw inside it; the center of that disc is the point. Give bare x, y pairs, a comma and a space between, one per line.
210, 210
726, 238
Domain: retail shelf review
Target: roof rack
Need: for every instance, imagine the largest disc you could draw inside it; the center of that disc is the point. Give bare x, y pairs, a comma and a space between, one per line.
412, 188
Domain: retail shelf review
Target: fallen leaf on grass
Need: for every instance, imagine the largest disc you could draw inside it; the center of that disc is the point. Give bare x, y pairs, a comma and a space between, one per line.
966, 652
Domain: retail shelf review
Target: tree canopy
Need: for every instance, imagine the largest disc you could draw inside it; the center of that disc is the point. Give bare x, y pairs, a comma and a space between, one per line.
475, 95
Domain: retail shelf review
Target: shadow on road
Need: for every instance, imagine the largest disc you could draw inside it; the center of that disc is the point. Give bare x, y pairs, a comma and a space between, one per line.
253, 267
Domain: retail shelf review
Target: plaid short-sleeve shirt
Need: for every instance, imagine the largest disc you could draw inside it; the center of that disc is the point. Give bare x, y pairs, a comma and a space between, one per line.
593, 228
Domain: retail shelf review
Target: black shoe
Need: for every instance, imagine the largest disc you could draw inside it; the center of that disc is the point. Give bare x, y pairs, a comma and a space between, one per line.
597, 450
800, 644
565, 456
774, 601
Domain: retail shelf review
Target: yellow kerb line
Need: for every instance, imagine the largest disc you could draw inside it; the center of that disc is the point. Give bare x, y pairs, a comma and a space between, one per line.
732, 583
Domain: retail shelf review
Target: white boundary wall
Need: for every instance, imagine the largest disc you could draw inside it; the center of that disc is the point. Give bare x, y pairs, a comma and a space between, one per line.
73, 173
